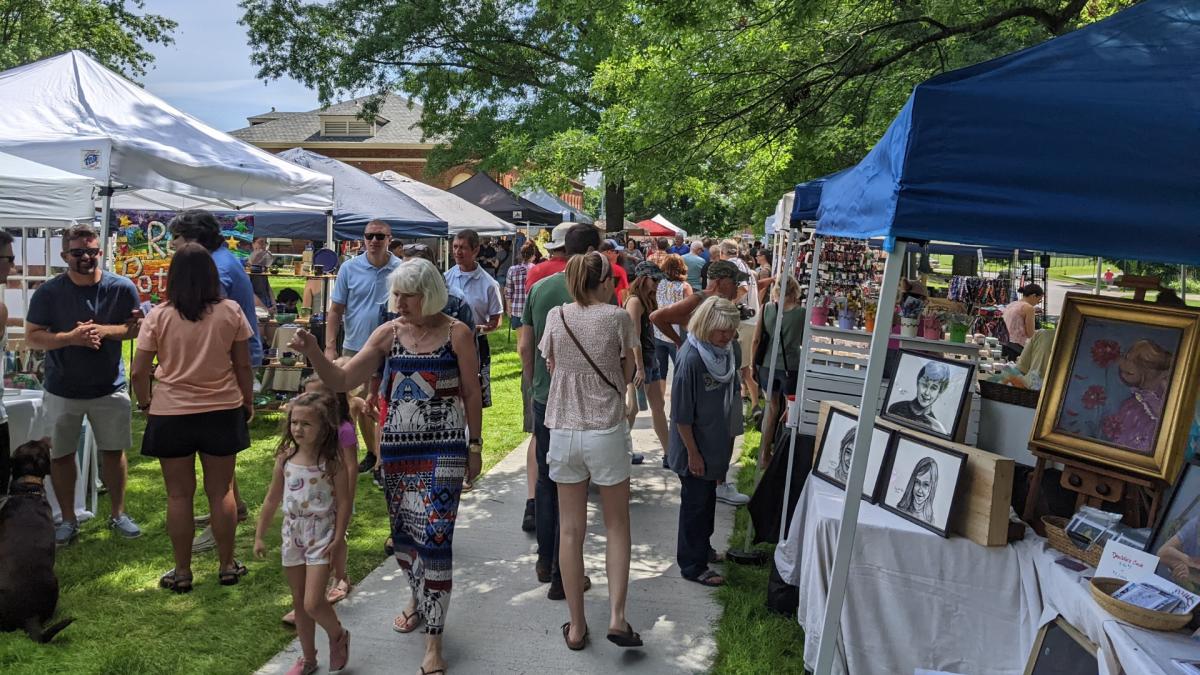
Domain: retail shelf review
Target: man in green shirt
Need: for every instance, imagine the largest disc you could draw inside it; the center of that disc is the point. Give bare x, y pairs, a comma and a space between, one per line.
545, 295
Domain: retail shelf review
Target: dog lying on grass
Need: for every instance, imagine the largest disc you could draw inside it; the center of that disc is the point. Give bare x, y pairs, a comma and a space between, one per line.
28, 586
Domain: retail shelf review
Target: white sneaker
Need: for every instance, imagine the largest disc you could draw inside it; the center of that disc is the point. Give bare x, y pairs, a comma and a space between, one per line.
729, 494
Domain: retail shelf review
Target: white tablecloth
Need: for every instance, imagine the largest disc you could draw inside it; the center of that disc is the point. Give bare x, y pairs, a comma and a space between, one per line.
27, 421
916, 600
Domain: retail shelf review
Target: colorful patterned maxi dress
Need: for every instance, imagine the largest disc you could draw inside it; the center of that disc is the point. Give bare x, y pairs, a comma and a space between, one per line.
424, 455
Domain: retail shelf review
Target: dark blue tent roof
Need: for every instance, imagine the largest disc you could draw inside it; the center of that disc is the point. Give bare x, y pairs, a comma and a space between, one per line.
1086, 143
358, 199
808, 197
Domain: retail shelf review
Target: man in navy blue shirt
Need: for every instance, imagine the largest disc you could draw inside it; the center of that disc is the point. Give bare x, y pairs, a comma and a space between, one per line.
79, 319
680, 248
202, 228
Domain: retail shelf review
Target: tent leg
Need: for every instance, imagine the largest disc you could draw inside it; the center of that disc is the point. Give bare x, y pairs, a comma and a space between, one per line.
329, 231
1099, 264
836, 597
796, 410
105, 211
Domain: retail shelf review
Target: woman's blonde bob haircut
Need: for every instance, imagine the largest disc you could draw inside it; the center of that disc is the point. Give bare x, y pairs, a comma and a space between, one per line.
713, 314
418, 276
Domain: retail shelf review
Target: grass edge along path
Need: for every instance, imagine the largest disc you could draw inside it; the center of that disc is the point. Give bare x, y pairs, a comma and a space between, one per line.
125, 624
751, 639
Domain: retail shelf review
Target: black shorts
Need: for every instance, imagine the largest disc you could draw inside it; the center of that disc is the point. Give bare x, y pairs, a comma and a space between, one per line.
220, 433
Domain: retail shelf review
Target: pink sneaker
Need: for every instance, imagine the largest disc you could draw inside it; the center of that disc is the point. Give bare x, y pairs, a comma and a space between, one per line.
339, 652
303, 667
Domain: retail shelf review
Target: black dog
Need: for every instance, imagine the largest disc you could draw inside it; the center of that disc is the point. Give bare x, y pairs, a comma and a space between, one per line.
28, 587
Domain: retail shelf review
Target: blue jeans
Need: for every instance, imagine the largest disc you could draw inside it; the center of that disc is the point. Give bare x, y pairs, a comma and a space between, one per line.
697, 513
546, 495
664, 355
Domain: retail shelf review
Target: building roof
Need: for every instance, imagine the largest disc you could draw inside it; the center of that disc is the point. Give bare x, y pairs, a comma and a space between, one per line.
396, 122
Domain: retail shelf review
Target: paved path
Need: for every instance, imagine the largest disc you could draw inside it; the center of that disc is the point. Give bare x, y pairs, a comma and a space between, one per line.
500, 620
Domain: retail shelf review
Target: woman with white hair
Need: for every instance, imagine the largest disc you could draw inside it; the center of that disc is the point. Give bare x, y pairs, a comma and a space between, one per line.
705, 419
425, 452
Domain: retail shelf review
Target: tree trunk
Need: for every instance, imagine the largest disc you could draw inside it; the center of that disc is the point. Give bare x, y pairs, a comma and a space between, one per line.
614, 206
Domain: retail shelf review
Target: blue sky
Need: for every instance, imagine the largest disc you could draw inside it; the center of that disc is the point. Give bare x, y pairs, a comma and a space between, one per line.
207, 72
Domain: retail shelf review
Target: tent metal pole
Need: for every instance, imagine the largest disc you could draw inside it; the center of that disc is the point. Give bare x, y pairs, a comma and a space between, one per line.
836, 596
105, 209
796, 410
329, 231
1098, 266
1183, 283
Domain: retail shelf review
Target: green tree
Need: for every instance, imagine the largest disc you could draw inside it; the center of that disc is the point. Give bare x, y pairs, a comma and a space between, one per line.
746, 98
505, 83
115, 32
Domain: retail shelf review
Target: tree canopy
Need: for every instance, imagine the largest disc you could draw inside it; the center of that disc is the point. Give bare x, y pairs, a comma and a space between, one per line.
115, 32
707, 110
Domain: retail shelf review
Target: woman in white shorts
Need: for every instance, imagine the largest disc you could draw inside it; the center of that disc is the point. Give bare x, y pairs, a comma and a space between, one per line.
588, 345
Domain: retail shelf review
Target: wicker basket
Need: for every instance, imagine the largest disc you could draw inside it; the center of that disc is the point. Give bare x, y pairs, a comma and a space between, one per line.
1056, 533
1102, 590
995, 391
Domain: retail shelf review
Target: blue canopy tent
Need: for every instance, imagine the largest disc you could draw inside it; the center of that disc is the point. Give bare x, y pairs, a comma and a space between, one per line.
1070, 146
1065, 146
552, 203
358, 199
808, 197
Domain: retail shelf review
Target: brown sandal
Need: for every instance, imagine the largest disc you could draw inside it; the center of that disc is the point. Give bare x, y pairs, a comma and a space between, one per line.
574, 646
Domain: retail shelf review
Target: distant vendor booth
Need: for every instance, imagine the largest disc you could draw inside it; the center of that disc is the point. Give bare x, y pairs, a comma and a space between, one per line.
1078, 551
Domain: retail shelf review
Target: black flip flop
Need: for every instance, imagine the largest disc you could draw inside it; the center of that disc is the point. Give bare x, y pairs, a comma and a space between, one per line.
626, 638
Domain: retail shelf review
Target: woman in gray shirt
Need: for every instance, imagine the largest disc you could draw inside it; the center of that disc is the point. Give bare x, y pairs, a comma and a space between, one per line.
706, 416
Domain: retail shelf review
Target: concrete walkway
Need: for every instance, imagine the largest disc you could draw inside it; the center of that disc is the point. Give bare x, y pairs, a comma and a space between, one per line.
500, 620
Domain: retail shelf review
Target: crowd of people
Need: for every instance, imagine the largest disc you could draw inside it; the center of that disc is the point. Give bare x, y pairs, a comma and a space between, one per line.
602, 327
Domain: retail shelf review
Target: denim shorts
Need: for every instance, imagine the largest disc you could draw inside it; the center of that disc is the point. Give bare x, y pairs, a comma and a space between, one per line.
664, 356
650, 365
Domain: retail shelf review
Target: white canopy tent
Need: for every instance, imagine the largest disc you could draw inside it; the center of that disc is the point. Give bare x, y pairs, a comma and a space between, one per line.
458, 213
662, 220
33, 191
72, 113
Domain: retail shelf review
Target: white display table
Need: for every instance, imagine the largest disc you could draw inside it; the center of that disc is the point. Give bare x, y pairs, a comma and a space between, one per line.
27, 421
918, 601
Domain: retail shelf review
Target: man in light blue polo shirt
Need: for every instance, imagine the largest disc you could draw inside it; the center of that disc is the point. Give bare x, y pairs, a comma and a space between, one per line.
481, 292
360, 288
695, 264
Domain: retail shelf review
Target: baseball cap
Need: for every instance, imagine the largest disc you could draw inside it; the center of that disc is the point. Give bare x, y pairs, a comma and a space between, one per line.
648, 269
611, 245
558, 236
724, 268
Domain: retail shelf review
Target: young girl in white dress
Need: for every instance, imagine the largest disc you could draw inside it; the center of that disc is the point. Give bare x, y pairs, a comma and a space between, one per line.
316, 514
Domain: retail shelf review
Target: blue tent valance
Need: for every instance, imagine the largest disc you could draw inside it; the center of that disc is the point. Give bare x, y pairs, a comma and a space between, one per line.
808, 197
1087, 143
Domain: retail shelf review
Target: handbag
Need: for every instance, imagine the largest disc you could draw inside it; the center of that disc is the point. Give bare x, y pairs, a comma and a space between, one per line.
582, 351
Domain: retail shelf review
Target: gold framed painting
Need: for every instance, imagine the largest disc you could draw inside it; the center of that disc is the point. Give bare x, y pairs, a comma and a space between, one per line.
1120, 389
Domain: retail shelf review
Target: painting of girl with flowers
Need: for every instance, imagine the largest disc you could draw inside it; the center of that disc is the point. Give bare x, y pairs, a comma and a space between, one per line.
1118, 384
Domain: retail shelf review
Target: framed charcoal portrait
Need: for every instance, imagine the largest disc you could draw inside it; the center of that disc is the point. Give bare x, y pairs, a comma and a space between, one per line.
836, 449
1176, 540
929, 394
1120, 388
922, 482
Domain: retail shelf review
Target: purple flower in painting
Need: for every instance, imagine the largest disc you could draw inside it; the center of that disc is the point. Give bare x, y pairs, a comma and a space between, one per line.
1111, 427
1105, 352
1094, 397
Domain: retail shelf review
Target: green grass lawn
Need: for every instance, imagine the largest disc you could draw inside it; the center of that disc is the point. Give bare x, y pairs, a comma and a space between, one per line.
750, 639
125, 624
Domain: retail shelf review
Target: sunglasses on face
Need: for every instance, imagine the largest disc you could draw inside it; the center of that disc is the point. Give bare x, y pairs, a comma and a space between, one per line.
80, 252
12, 259
376, 236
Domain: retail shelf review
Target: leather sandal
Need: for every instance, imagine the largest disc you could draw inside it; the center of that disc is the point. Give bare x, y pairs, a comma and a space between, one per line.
626, 638
574, 646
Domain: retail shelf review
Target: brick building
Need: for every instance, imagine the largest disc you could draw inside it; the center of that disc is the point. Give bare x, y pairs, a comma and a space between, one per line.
393, 141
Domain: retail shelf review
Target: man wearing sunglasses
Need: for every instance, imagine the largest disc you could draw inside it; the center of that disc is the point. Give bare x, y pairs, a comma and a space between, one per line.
79, 319
360, 288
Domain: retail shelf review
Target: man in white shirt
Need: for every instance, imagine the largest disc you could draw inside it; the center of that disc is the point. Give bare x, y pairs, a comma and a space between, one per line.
469, 281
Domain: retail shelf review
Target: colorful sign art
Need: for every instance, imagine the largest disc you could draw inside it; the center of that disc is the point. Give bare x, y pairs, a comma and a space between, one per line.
144, 246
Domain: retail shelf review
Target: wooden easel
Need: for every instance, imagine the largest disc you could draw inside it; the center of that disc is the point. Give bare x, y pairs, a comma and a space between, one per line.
1139, 285
1095, 486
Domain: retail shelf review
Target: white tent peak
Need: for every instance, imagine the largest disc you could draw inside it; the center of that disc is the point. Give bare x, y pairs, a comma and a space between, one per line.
458, 213
72, 113
662, 220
